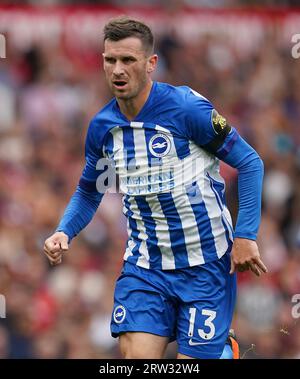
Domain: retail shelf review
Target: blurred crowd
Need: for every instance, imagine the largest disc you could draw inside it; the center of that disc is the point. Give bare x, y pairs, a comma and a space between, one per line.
46, 101
167, 3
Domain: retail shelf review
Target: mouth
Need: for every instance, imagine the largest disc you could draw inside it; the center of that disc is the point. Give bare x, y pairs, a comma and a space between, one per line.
119, 84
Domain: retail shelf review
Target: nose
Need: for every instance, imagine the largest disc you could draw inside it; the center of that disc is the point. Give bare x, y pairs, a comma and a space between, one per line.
118, 69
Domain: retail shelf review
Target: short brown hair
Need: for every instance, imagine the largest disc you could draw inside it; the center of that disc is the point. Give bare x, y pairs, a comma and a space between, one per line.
123, 27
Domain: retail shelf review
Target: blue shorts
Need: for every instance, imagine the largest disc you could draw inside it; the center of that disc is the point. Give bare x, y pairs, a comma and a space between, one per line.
193, 306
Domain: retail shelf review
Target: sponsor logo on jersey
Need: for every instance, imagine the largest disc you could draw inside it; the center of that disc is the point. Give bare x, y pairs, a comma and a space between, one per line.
119, 314
159, 145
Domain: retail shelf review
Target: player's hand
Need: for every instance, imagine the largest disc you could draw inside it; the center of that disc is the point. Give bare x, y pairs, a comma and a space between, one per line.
245, 256
55, 246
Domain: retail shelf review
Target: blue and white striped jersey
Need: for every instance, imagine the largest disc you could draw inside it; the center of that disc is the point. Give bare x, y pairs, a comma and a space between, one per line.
168, 171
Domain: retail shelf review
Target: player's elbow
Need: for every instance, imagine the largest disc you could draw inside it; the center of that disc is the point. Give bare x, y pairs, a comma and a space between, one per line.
253, 164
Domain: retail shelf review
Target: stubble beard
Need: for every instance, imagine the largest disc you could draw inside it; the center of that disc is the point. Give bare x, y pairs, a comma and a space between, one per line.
131, 94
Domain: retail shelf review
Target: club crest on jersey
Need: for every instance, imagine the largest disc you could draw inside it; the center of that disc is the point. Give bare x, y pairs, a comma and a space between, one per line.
119, 314
160, 145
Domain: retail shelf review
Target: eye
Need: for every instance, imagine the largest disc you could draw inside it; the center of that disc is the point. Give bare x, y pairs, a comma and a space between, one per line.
109, 60
127, 60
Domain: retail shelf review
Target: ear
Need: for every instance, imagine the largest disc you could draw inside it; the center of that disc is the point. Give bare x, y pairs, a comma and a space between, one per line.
152, 62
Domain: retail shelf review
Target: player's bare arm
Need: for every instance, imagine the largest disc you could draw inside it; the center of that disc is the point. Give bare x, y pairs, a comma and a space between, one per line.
55, 246
245, 256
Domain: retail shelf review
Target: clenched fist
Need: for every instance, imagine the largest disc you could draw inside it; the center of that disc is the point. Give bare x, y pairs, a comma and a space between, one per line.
55, 246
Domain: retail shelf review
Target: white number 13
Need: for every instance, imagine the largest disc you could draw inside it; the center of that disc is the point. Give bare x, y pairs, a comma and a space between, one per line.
208, 322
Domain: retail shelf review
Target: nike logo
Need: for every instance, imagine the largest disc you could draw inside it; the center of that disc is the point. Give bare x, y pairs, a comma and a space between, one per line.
119, 314
192, 343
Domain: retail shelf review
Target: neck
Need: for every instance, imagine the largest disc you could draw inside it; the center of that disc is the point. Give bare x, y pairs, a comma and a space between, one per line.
131, 107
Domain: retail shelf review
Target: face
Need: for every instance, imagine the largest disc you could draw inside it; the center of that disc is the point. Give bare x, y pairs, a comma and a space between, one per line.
127, 67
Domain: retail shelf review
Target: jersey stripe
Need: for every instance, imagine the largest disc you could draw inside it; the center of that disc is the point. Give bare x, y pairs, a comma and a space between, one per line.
129, 148
162, 234
221, 232
148, 225
132, 249
140, 252
149, 250
177, 237
203, 222
219, 190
